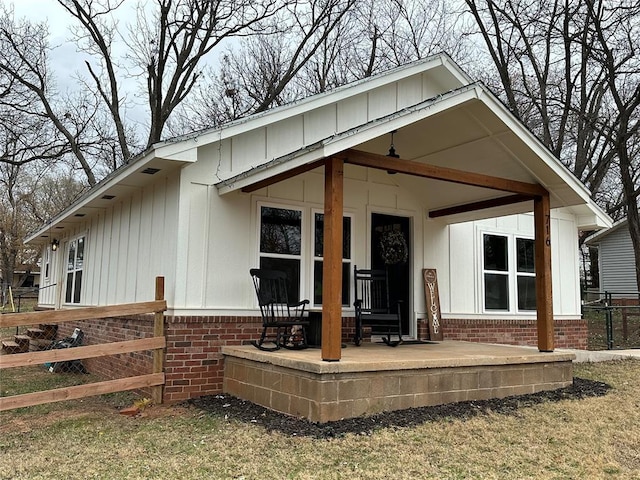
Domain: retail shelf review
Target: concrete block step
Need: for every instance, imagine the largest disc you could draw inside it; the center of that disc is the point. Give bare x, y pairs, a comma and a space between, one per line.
9, 346
23, 342
50, 330
35, 333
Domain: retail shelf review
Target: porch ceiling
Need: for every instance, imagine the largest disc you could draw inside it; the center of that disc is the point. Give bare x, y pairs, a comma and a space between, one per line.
471, 133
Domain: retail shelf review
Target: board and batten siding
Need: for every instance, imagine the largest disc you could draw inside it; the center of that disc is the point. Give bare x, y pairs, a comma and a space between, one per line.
461, 288
617, 264
219, 237
260, 145
127, 246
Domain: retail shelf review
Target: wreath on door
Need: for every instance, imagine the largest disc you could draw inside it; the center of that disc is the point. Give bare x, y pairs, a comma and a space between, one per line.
393, 247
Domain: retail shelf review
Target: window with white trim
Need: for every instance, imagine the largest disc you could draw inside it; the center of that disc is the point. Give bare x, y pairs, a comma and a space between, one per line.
47, 261
281, 244
508, 268
75, 267
318, 246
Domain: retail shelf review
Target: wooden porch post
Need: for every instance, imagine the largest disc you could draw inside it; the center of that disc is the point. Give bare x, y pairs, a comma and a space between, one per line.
544, 298
332, 260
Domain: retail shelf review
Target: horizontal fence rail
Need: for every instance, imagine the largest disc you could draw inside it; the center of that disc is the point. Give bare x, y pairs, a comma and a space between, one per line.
156, 344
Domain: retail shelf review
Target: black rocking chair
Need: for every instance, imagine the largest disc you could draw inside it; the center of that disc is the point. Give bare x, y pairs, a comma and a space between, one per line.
286, 320
373, 308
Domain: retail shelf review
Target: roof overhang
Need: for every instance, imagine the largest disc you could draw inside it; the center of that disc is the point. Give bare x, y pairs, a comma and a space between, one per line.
468, 130
139, 172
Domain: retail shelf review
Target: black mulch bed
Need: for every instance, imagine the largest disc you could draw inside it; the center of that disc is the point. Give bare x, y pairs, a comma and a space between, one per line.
232, 408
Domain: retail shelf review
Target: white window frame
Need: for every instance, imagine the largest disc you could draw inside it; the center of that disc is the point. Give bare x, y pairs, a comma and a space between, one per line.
511, 273
46, 264
303, 221
307, 248
74, 271
315, 258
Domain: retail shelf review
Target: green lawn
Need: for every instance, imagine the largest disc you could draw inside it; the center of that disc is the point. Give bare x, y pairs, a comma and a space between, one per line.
592, 438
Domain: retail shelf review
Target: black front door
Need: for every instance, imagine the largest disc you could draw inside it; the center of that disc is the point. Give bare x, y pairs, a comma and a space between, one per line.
391, 250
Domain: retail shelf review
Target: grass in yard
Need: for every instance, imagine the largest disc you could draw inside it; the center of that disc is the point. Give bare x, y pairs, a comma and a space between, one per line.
626, 328
590, 438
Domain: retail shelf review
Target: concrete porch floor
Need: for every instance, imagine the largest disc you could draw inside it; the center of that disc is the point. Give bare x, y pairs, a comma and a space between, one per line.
375, 378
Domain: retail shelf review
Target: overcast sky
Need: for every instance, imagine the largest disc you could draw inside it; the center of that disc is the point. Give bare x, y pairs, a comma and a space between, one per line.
65, 59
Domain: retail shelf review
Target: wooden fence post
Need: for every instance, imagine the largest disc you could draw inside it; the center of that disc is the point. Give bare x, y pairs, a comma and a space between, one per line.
158, 353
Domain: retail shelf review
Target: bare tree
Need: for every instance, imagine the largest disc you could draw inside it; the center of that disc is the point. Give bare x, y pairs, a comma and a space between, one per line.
166, 45
616, 31
32, 106
30, 194
262, 71
542, 53
322, 45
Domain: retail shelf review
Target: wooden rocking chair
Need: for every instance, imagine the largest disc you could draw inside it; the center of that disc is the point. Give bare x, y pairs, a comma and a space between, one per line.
373, 308
285, 320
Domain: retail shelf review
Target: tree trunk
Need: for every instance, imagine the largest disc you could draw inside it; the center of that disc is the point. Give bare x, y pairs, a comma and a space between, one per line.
633, 218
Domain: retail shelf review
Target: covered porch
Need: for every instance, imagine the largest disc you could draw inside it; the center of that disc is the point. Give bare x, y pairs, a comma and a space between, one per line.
374, 378
460, 156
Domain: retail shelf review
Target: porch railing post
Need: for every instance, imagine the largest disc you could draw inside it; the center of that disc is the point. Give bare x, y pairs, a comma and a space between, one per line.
158, 353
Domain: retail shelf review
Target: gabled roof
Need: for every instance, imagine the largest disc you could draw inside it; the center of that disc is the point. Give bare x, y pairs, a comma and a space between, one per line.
440, 117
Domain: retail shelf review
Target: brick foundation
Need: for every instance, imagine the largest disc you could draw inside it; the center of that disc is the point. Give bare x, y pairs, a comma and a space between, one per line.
194, 361
568, 333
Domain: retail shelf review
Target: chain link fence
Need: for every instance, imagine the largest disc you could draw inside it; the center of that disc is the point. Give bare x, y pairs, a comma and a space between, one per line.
613, 320
36, 338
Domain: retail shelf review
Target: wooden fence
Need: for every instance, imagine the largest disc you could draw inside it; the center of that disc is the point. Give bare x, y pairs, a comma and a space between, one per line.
157, 343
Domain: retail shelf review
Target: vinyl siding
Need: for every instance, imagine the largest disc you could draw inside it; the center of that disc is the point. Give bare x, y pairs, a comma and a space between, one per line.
617, 265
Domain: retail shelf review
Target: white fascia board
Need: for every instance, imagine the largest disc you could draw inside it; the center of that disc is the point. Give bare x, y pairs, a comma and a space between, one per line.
96, 192
355, 136
590, 217
184, 151
455, 69
540, 150
320, 100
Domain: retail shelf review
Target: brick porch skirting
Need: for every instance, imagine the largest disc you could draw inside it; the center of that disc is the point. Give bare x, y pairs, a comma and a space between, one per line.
568, 333
194, 361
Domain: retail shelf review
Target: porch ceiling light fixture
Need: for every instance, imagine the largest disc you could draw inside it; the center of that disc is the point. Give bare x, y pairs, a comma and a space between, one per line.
392, 153
54, 244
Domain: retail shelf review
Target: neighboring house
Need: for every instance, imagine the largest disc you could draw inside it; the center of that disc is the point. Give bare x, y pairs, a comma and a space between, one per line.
23, 276
616, 260
203, 209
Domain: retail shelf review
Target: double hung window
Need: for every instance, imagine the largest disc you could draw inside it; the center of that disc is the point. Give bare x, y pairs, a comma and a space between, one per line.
284, 232
281, 244
47, 262
318, 246
508, 269
75, 267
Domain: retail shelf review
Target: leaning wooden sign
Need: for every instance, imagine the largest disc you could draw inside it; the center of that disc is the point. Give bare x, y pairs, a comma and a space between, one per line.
433, 303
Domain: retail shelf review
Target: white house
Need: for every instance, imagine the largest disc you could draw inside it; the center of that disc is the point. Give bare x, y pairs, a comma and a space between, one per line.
203, 209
